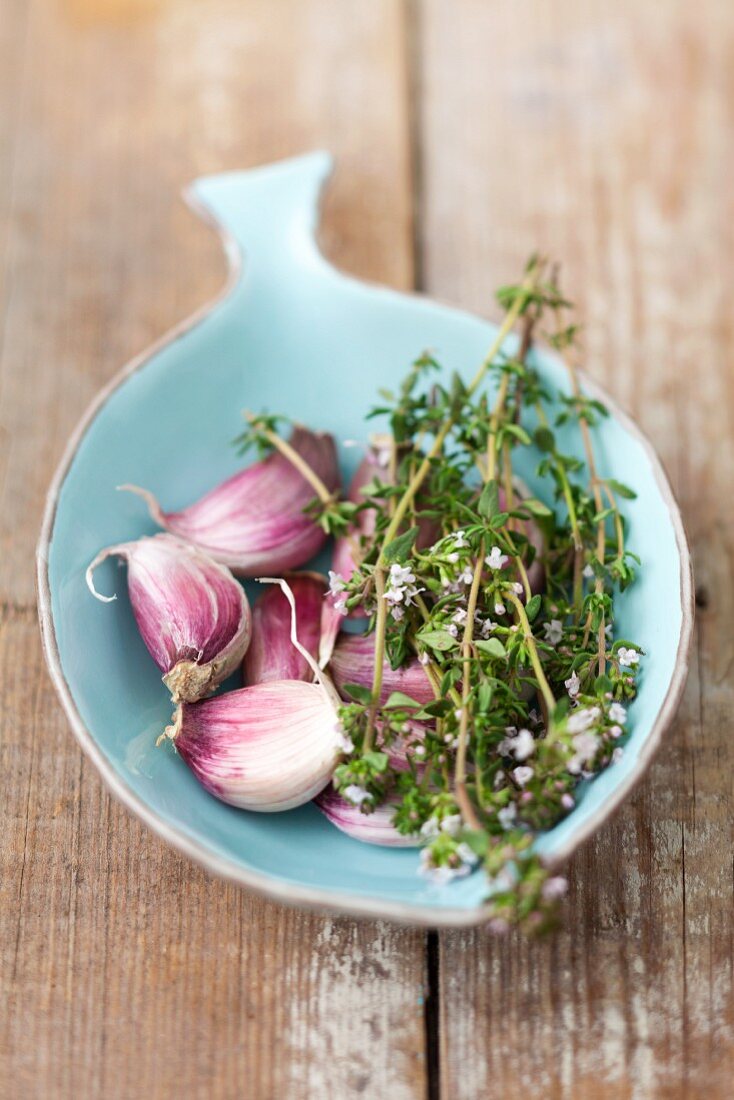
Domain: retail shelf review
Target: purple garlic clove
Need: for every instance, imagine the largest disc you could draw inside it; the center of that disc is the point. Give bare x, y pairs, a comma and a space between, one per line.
255, 522
191, 613
353, 660
267, 747
372, 828
272, 655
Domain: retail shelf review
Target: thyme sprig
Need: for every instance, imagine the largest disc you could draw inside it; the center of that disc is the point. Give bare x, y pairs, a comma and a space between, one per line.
507, 601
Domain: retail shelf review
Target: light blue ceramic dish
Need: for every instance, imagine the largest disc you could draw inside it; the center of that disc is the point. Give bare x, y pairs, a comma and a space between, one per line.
291, 334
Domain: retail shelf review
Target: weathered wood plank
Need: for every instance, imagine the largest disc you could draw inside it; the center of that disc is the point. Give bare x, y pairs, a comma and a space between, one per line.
124, 970
603, 135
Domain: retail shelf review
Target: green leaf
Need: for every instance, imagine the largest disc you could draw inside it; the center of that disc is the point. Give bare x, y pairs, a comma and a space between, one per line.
399, 549
602, 684
536, 507
489, 501
484, 696
400, 699
604, 515
377, 760
519, 433
359, 693
622, 489
440, 640
437, 709
477, 841
544, 439
561, 709
533, 607
492, 647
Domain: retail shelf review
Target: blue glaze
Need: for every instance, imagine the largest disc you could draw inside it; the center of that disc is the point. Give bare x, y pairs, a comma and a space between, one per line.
295, 336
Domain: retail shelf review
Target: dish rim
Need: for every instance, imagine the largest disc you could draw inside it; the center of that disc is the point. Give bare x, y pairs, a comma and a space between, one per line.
325, 899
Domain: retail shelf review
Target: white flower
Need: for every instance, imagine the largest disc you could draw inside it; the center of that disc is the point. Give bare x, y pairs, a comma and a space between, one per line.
401, 575
467, 576
615, 731
517, 588
336, 583
572, 685
466, 855
430, 828
424, 658
609, 629
521, 746
340, 606
568, 801
522, 775
554, 888
507, 815
460, 540
398, 613
553, 631
356, 795
453, 630
453, 558
496, 559
451, 824
460, 616
499, 608
627, 657
411, 593
588, 571
394, 595
617, 713
580, 720
443, 874
419, 750
487, 627
617, 754
344, 742
585, 746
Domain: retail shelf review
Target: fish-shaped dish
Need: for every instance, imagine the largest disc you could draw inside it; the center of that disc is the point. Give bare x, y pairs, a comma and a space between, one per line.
292, 335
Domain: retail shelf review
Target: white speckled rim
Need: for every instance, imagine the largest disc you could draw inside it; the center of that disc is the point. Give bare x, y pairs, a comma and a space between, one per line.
331, 901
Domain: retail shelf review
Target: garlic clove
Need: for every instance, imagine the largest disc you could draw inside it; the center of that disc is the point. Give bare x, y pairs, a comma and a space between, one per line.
352, 662
272, 655
191, 613
255, 522
375, 827
372, 828
267, 747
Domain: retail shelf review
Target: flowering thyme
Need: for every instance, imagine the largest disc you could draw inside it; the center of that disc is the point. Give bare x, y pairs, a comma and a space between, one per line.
506, 600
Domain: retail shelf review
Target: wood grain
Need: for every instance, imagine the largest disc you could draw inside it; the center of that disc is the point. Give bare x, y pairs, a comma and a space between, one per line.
124, 970
603, 134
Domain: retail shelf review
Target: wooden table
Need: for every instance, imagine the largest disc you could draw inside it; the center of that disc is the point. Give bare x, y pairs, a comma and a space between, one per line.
467, 132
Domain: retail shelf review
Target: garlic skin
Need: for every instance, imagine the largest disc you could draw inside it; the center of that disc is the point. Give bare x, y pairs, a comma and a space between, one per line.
191, 613
271, 654
254, 522
353, 662
268, 747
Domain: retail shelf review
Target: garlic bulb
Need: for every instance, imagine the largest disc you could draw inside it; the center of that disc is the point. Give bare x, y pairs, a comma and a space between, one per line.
272, 655
255, 520
191, 613
267, 747
353, 662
